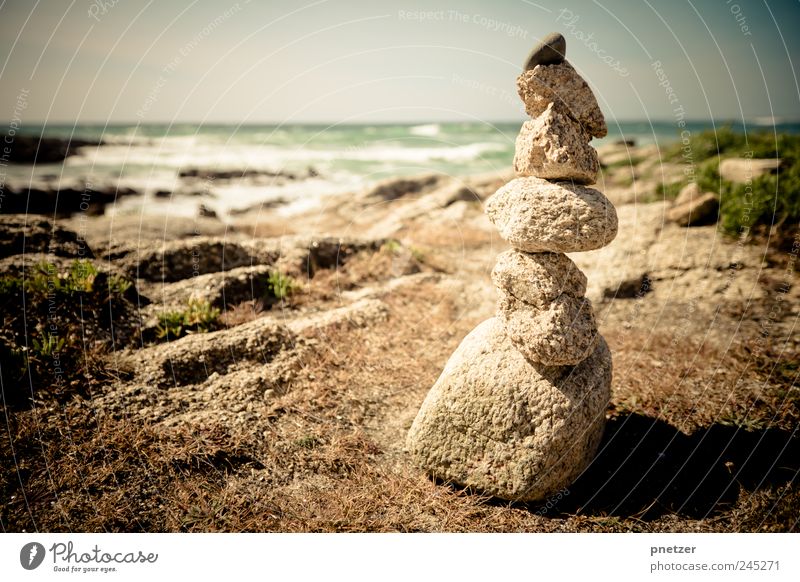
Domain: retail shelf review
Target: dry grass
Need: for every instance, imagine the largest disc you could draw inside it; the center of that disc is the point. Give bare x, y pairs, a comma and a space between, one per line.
242, 313
327, 451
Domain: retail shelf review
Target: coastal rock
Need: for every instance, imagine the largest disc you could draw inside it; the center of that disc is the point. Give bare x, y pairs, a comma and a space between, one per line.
20, 234
502, 425
688, 193
191, 359
210, 175
535, 215
25, 149
51, 200
697, 211
562, 85
555, 146
743, 170
394, 188
538, 278
182, 259
563, 333
550, 51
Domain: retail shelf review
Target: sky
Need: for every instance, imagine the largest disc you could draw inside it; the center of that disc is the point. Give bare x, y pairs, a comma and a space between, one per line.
263, 61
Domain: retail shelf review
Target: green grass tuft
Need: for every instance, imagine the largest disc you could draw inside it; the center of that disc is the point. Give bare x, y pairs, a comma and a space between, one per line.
198, 317
281, 286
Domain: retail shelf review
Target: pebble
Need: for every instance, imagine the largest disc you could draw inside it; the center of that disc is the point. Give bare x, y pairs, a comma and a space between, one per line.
550, 51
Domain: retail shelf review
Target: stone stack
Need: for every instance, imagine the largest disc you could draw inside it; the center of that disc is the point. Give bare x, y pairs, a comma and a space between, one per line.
519, 410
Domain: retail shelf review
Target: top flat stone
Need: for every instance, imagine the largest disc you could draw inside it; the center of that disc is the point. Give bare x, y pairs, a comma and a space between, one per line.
561, 85
550, 51
536, 216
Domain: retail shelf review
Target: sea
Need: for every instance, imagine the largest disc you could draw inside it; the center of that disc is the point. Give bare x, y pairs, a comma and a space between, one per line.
322, 159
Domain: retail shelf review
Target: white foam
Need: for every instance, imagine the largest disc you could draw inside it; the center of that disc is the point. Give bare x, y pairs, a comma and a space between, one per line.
188, 153
428, 130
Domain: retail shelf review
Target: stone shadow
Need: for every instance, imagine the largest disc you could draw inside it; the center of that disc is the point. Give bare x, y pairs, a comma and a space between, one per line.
646, 468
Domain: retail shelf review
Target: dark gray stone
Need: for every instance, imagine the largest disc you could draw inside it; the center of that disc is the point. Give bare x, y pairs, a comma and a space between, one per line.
550, 51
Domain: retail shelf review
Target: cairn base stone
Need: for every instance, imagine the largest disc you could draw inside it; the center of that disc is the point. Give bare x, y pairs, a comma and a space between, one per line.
506, 427
535, 216
555, 147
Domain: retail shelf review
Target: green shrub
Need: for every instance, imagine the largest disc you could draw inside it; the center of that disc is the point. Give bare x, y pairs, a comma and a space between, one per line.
669, 191
727, 142
769, 200
55, 318
281, 286
392, 246
772, 199
49, 345
198, 317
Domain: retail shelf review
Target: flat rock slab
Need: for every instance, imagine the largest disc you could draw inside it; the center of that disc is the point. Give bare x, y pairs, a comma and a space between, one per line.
555, 146
499, 424
563, 333
536, 216
698, 211
744, 170
538, 278
561, 85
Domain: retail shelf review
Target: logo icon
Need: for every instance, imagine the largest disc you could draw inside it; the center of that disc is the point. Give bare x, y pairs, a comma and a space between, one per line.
31, 555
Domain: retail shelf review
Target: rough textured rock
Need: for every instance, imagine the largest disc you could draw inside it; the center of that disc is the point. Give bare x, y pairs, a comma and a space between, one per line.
535, 215
25, 149
562, 85
181, 259
193, 358
743, 170
562, 333
538, 278
61, 199
555, 146
550, 51
218, 289
21, 234
509, 428
394, 188
697, 211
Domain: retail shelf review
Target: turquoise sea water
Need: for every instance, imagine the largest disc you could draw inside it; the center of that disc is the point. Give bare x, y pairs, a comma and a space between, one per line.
149, 158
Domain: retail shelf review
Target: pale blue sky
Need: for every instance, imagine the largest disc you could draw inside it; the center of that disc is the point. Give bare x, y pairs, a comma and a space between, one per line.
374, 60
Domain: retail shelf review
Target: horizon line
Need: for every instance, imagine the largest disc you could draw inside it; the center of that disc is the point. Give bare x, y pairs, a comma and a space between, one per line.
758, 120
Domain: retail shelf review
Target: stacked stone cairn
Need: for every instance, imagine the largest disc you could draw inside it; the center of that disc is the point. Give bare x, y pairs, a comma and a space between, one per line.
519, 409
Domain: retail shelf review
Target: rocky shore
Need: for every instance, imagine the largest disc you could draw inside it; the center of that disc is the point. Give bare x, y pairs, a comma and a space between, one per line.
260, 373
